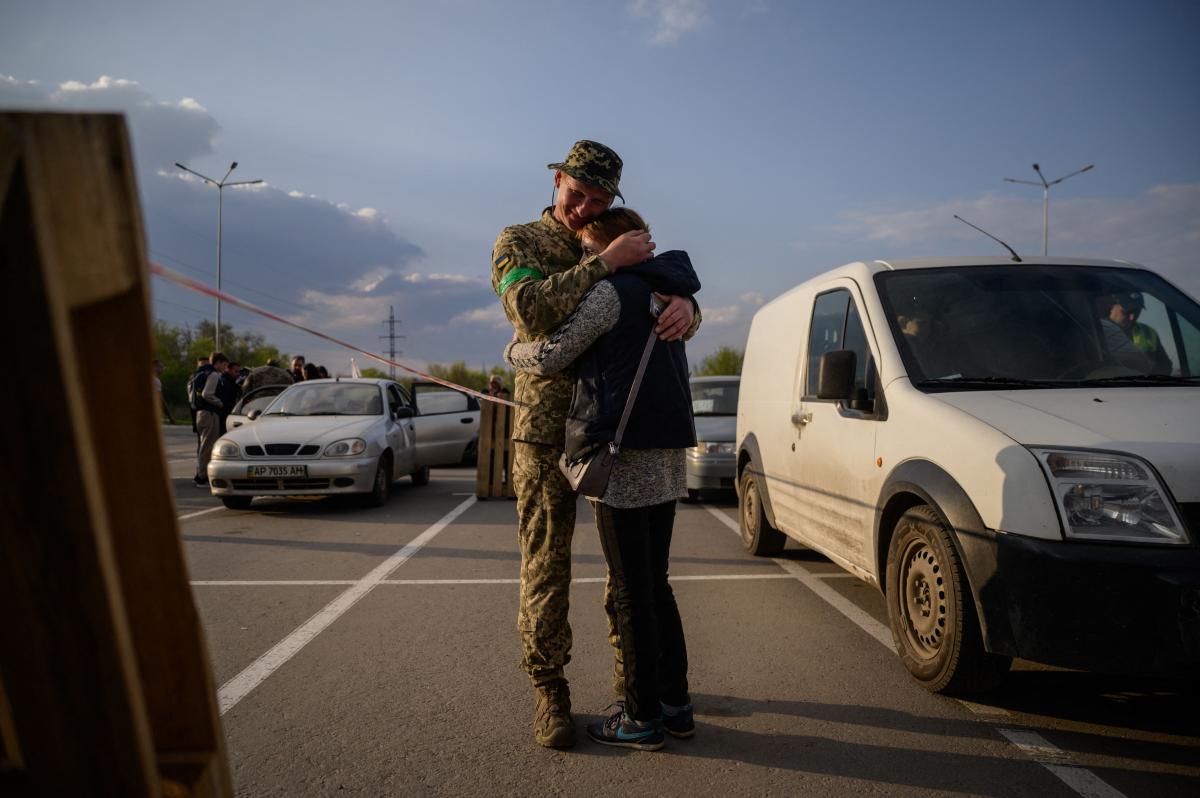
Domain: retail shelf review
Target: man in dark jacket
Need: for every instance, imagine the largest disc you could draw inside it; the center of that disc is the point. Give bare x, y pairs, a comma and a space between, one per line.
195, 386
213, 406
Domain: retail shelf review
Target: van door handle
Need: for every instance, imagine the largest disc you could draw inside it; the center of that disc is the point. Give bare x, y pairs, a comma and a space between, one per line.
800, 419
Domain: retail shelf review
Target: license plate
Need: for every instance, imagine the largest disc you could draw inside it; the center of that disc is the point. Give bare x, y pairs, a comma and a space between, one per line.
277, 471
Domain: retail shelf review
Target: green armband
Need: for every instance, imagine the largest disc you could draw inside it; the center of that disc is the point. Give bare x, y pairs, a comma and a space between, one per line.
516, 275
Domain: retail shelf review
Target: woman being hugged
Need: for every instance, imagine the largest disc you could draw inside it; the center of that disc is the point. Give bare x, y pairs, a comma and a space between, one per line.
604, 340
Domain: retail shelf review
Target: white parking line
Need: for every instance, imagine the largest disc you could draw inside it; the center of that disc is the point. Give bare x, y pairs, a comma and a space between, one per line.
240, 686
199, 512
582, 580
1033, 745
1058, 762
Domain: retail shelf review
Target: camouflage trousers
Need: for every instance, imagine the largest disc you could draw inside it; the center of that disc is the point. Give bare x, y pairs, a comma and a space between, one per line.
546, 518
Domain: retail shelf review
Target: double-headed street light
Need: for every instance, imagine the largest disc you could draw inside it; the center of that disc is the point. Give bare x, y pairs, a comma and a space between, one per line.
221, 184
1046, 199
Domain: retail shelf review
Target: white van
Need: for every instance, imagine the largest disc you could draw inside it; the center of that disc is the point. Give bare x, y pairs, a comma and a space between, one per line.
1009, 451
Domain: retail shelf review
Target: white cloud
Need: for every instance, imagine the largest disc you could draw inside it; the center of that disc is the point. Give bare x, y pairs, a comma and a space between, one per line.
188, 104
492, 315
673, 18
367, 213
462, 279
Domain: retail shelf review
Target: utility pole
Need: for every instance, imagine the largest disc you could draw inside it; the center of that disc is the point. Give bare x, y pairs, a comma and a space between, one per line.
391, 337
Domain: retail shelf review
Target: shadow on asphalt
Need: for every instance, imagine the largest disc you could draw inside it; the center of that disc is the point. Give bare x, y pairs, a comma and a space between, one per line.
898, 720
884, 764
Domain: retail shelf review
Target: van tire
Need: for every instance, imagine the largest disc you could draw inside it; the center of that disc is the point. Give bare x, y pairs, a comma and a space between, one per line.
931, 612
758, 536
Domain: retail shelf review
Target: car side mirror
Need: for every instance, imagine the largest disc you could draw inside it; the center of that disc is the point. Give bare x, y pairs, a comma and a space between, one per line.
253, 414
835, 377
405, 412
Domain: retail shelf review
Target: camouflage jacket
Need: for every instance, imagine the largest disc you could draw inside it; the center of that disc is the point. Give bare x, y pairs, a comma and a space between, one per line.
537, 274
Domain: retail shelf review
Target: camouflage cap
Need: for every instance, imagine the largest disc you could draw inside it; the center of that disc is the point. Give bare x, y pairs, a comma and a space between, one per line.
593, 163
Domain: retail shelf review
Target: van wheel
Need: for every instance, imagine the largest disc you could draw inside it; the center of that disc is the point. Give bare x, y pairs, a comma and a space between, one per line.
931, 612
237, 502
381, 487
758, 536
421, 476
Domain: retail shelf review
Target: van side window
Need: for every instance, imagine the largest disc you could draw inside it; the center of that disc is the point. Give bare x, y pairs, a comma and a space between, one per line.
825, 335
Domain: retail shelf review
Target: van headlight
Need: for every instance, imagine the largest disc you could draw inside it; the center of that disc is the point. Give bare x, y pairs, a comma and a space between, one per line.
226, 450
1110, 497
713, 447
346, 448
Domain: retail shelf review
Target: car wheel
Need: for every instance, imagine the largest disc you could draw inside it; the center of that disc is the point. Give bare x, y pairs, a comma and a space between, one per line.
421, 476
471, 453
237, 502
931, 612
382, 485
758, 536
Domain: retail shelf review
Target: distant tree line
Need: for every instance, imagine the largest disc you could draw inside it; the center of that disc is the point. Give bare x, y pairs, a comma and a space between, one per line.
725, 361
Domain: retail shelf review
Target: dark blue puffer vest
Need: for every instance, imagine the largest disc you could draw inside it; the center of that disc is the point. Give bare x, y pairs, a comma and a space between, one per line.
662, 413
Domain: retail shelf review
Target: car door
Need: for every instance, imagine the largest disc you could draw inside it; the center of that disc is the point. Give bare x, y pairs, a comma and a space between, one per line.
832, 467
257, 399
446, 423
401, 432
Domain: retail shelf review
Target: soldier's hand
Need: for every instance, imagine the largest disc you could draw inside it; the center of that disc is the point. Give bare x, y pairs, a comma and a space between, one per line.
628, 249
675, 318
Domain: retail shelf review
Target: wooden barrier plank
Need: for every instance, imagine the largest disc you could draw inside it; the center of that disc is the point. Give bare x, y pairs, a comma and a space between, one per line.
102, 653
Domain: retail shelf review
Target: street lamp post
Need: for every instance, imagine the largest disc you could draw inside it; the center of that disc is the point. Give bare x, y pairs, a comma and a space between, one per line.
1046, 199
221, 184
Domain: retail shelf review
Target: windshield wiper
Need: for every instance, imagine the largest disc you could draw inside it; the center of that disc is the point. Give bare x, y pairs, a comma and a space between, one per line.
988, 381
327, 413
278, 413
1141, 379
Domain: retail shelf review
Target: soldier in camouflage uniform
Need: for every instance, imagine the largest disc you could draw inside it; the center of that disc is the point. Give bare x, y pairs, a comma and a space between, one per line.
539, 277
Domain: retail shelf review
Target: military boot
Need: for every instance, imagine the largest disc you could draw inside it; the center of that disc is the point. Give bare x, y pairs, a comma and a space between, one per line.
553, 725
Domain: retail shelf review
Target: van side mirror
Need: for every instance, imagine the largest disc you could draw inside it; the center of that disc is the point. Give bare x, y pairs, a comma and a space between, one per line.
835, 375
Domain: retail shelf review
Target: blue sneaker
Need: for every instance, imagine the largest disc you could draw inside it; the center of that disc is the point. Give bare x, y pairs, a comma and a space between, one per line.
623, 731
678, 721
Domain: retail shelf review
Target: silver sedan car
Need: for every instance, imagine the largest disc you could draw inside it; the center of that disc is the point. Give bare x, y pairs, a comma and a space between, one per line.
710, 464
343, 436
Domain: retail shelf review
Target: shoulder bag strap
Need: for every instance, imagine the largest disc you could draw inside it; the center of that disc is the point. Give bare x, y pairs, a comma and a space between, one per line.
615, 446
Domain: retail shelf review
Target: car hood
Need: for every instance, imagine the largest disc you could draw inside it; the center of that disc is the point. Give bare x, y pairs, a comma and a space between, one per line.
1158, 424
301, 429
716, 429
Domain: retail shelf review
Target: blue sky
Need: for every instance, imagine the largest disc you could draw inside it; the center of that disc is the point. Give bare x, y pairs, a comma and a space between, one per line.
772, 140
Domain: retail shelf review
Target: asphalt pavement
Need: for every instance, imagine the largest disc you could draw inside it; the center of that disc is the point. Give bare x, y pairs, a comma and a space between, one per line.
375, 652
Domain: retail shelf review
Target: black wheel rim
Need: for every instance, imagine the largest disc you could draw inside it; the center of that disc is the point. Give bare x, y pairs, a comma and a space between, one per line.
922, 598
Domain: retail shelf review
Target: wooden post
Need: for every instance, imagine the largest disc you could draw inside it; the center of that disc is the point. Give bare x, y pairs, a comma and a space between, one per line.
102, 657
493, 479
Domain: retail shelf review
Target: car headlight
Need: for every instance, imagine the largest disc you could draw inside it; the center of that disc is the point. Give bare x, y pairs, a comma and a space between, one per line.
1110, 497
345, 448
226, 450
712, 447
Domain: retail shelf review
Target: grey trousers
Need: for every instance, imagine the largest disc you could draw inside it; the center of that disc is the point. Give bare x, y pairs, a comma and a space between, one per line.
209, 426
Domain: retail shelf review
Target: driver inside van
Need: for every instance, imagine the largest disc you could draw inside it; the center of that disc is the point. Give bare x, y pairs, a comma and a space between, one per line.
1130, 342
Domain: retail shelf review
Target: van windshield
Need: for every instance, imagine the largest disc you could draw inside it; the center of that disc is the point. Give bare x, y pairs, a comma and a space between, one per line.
1029, 326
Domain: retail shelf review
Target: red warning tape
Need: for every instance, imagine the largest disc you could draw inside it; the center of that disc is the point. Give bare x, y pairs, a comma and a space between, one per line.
201, 288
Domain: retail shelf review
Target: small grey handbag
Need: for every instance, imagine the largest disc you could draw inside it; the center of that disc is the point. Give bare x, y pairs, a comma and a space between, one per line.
589, 474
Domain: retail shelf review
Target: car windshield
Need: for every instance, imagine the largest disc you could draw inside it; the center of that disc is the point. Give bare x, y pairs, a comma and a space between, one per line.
328, 399
1028, 326
715, 398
